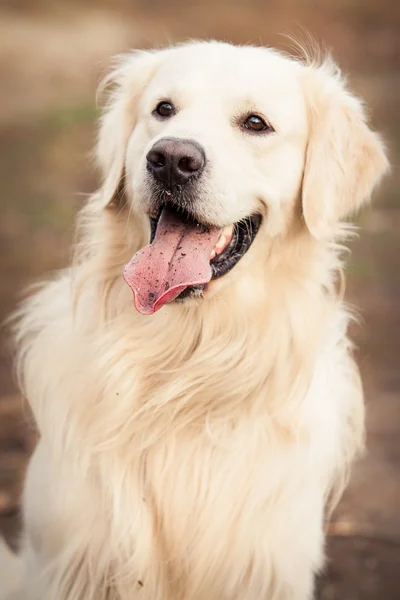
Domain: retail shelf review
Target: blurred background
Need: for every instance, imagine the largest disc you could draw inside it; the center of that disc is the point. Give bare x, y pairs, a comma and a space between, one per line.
52, 55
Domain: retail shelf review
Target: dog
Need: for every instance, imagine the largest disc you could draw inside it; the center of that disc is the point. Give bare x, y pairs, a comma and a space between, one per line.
190, 373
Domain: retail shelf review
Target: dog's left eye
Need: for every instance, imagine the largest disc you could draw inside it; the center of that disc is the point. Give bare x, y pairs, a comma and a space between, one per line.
256, 123
164, 109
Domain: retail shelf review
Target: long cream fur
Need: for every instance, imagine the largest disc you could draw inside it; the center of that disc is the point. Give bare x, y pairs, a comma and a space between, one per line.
192, 454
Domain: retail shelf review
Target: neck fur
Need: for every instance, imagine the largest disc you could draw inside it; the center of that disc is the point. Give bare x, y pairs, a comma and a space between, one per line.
254, 341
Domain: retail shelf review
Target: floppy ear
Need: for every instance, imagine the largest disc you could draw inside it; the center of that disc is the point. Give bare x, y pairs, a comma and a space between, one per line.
344, 159
124, 86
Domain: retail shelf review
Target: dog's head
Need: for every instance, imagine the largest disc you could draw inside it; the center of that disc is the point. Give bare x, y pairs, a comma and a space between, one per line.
215, 147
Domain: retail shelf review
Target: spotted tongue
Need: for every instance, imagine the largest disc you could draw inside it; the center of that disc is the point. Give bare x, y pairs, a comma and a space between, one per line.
178, 257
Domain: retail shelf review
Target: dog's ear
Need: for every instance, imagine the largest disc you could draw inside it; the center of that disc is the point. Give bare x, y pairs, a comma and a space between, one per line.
344, 159
123, 88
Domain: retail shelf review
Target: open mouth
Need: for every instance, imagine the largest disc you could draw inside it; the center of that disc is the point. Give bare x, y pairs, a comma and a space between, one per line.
183, 256
231, 245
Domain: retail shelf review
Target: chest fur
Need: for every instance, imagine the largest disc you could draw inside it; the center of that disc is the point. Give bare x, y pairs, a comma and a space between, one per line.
224, 508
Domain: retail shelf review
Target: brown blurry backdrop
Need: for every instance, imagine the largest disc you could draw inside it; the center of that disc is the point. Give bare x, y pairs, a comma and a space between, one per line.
52, 54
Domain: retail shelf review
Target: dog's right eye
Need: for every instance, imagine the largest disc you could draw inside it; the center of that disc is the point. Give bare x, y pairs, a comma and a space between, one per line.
164, 109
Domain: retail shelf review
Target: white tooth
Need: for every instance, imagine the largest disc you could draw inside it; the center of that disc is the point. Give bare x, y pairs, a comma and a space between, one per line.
228, 230
221, 242
213, 254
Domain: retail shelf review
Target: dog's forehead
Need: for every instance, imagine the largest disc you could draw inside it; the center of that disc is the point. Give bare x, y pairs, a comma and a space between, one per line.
232, 75
232, 71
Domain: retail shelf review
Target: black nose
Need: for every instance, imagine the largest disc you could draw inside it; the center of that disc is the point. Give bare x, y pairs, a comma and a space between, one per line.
174, 162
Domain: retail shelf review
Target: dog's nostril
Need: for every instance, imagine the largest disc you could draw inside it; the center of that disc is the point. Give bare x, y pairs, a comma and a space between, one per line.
185, 164
191, 163
156, 158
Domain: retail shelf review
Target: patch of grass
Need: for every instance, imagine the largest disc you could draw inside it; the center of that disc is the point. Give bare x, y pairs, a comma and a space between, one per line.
62, 117
358, 268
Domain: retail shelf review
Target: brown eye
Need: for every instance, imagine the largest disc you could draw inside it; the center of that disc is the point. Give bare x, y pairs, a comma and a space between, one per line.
164, 109
256, 123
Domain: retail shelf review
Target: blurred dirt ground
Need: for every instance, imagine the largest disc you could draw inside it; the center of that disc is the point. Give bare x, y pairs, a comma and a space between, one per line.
52, 54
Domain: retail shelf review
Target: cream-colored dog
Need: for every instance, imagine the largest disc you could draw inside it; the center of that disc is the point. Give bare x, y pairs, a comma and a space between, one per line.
194, 432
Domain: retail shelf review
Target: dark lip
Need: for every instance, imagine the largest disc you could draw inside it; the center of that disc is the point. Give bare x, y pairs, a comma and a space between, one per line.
244, 234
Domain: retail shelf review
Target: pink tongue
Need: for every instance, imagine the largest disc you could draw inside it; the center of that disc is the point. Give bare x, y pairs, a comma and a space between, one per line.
178, 257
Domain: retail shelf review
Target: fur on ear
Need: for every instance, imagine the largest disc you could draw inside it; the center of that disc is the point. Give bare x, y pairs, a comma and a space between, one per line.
344, 159
123, 87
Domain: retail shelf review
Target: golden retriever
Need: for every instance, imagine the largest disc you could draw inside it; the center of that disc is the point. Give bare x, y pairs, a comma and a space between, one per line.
199, 409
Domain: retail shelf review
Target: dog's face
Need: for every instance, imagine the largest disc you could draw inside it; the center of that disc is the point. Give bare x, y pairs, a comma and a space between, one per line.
242, 118
217, 145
